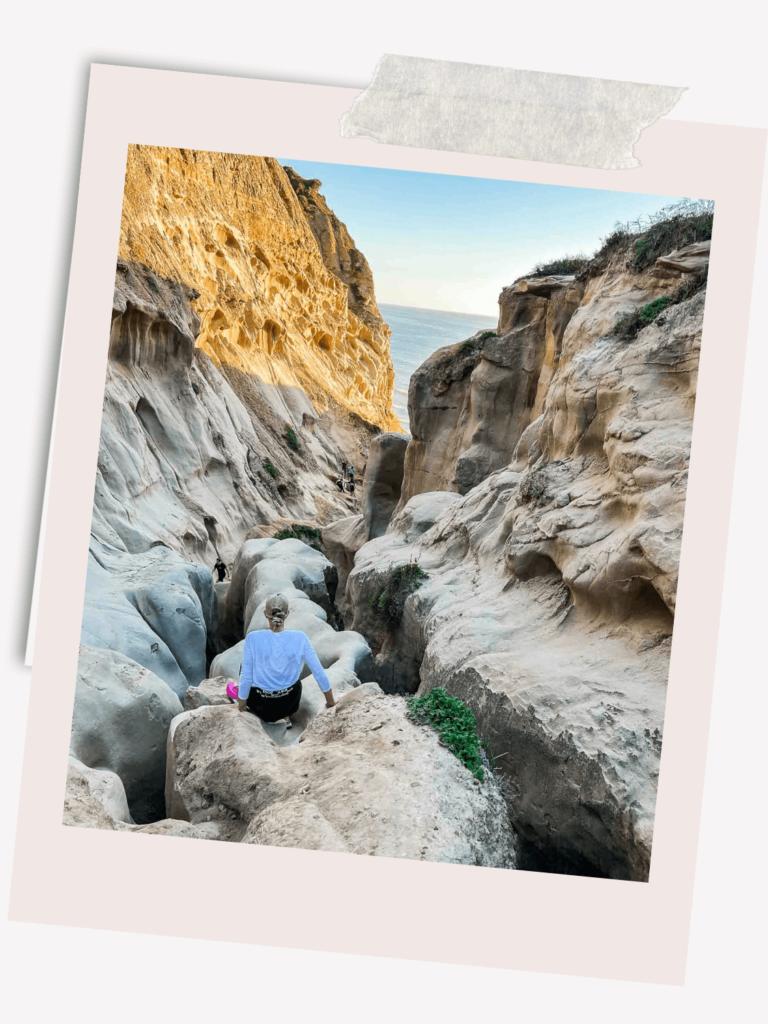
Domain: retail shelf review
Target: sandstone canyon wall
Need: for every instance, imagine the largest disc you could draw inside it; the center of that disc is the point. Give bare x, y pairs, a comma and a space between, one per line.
521, 549
541, 520
273, 300
242, 370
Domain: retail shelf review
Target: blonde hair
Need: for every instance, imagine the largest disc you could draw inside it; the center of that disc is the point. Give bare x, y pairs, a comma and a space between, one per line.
276, 601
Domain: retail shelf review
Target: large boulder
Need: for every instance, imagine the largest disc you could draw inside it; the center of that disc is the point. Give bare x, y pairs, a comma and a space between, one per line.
341, 541
394, 632
365, 779
82, 807
104, 786
120, 721
209, 691
383, 481
154, 607
265, 566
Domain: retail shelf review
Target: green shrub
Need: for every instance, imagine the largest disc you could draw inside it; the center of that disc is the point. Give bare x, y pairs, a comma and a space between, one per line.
651, 310
628, 326
454, 722
269, 468
389, 597
681, 223
290, 437
673, 233
306, 534
564, 265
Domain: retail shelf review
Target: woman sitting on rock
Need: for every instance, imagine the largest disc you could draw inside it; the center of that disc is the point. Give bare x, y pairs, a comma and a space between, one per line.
270, 686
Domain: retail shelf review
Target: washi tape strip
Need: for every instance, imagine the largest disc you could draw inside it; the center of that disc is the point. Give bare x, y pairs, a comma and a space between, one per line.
491, 111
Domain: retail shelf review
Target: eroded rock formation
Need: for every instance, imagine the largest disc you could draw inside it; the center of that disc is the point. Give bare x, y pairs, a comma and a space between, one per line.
155, 607
119, 724
546, 593
383, 481
273, 302
365, 779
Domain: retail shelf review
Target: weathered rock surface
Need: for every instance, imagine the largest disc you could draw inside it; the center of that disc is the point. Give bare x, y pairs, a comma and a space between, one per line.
193, 455
383, 481
94, 799
107, 788
283, 292
364, 780
222, 831
341, 541
690, 259
574, 717
549, 589
398, 651
209, 691
470, 403
120, 721
155, 607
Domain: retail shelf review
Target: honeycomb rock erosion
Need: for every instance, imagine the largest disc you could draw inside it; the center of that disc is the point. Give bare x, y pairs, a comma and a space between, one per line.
283, 293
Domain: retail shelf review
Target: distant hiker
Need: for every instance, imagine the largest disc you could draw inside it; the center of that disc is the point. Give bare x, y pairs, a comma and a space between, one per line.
352, 473
351, 486
221, 569
340, 484
270, 684
343, 469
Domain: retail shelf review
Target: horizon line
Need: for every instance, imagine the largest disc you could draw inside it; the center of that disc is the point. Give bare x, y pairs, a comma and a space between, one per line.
431, 309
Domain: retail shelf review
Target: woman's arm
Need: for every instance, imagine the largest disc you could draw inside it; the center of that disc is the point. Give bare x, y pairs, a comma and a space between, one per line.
318, 671
246, 676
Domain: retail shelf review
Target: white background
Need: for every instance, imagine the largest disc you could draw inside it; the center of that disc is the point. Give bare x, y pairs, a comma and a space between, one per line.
73, 973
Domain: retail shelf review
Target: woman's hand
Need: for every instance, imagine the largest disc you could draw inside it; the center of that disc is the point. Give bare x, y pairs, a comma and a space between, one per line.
241, 704
330, 701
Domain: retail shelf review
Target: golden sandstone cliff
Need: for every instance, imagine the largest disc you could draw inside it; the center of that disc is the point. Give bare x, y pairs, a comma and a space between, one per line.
283, 292
247, 360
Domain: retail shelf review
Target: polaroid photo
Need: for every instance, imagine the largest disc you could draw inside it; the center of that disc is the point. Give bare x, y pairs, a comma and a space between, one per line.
382, 483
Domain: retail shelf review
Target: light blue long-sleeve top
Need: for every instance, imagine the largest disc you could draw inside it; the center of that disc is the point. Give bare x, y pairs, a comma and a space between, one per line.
273, 661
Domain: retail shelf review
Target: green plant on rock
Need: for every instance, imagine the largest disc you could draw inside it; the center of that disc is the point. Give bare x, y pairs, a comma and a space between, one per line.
564, 265
291, 438
454, 723
306, 534
269, 468
391, 592
651, 310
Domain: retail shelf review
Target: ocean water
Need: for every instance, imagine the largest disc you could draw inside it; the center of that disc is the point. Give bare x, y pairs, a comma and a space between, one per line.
416, 334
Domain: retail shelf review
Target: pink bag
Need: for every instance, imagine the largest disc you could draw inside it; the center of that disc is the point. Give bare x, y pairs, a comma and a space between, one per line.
232, 689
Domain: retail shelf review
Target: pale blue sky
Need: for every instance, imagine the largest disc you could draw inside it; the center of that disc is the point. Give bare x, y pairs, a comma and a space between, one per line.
443, 242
